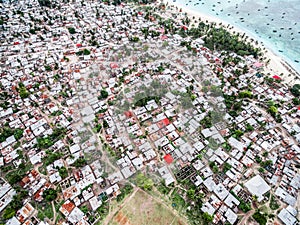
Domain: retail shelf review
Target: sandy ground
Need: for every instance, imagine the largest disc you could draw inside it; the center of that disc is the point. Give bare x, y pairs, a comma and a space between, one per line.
276, 66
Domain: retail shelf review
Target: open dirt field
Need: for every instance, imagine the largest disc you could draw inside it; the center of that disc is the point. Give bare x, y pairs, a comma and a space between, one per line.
142, 209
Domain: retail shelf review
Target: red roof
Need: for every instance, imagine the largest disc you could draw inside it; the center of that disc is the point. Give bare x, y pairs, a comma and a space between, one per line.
67, 207
298, 107
114, 65
163, 37
168, 158
184, 27
258, 64
219, 69
277, 77
78, 45
166, 121
16, 43
128, 114
163, 123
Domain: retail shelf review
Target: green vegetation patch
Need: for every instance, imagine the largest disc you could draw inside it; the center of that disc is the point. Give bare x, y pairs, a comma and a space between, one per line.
45, 211
50, 194
274, 203
260, 218
144, 182
126, 190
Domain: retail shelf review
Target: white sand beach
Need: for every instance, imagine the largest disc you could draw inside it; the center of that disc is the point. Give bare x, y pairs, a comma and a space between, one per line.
276, 65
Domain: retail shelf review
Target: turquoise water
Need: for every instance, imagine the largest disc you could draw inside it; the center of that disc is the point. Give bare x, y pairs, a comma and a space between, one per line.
275, 23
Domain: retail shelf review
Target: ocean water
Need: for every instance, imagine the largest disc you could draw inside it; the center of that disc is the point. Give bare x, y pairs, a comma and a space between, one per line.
276, 23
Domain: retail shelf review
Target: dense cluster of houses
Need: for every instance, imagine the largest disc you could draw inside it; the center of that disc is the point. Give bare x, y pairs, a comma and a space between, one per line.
151, 119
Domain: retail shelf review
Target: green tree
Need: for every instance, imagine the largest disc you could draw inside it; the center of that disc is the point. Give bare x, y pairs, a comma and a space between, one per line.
249, 127
80, 162
260, 218
51, 157
295, 90
215, 169
238, 133
272, 110
63, 172
296, 101
266, 163
207, 217
48, 68
5, 132
134, 39
18, 133
226, 167
216, 91
191, 193
144, 182
72, 30
8, 213
14, 177
46, 3
43, 143
50, 194
245, 94
124, 191
23, 92
103, 94
105, 124
86, 52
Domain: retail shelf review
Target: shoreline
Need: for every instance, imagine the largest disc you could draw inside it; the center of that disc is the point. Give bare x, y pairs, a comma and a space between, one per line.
276, 66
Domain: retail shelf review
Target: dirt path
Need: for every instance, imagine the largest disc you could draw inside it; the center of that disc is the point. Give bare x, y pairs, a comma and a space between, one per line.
54, 213
246, 217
